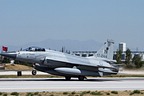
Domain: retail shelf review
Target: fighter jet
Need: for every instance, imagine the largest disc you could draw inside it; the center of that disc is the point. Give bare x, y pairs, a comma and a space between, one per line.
67, 65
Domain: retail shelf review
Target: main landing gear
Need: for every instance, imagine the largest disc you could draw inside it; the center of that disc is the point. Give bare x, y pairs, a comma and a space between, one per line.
80, 78
68, 78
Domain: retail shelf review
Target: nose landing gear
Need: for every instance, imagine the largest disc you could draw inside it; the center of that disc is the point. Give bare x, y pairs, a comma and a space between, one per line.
34, 72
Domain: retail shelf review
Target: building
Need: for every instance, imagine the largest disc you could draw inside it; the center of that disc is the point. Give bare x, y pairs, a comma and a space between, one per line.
84, 53
122, 46
91, 53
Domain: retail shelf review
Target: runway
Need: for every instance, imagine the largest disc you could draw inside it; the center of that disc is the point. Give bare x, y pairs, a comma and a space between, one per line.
122, 72
59, 84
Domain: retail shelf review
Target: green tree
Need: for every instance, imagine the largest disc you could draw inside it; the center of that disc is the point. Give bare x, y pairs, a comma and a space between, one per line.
63, 49
0, 59
6, 60
118, 56
137, 61
128, 56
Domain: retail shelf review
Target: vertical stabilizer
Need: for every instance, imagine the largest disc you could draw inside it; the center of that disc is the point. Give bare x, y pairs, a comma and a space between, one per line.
106, 51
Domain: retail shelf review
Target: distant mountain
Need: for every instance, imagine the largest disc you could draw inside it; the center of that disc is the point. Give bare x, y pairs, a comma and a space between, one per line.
72, 45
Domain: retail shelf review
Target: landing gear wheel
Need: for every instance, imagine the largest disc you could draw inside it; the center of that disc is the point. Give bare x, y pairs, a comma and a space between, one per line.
81, 78
68, 78
34, 72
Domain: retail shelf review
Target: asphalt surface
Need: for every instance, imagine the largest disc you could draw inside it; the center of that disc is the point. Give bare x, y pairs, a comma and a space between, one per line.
124, 72
3, 72
59, 84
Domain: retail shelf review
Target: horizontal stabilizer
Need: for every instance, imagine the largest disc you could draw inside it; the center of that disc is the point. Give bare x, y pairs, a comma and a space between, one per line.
100, 73
105, 70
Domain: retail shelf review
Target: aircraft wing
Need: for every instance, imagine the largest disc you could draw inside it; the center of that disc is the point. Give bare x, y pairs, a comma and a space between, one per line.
79, 61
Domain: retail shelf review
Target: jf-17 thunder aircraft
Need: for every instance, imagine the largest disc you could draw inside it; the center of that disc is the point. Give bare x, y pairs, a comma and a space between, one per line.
67, 65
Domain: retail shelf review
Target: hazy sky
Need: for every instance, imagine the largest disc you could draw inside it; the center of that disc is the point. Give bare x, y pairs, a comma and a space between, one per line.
24, 21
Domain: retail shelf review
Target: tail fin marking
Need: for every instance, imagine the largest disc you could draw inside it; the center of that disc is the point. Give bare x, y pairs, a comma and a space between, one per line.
106, 51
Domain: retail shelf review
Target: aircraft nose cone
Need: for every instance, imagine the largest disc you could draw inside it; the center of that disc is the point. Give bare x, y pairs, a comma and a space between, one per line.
9, 54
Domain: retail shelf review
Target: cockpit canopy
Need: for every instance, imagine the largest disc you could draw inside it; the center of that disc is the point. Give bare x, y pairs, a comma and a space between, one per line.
33, 48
